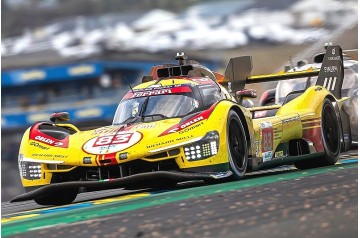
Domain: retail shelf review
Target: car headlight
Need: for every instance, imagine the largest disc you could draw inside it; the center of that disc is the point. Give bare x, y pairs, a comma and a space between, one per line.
29, 170
204, 148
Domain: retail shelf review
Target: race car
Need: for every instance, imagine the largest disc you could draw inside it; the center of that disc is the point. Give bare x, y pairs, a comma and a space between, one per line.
181, 124
349, 89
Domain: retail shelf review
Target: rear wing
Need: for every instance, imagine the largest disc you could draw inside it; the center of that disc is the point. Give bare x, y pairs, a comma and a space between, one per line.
330, 76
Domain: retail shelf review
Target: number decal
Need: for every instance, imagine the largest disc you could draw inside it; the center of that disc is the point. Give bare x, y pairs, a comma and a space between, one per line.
113, 139
267, 139
111, 143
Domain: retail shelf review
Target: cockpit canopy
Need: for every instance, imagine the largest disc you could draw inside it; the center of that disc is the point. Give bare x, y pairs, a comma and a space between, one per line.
176, 101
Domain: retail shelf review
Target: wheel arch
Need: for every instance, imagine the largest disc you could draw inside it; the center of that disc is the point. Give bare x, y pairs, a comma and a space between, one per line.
344, 123
241, 115
246, 125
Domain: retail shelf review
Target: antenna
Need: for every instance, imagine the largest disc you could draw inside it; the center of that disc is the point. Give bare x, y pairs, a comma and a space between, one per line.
124, 77
132, 90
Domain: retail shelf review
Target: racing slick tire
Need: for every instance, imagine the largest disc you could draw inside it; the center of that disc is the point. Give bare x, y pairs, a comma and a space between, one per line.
330, 135
237, 145
61, 197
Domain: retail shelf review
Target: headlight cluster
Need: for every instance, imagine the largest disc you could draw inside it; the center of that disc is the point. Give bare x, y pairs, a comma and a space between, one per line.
29, 170
204, 148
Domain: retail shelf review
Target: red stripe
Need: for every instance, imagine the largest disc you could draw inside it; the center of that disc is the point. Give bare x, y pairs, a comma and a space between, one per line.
112, 157
314, 135
195, 119
97, 160
311, 124
312, 119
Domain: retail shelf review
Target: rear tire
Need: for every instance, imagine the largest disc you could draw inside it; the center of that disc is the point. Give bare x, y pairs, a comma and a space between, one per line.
237, 146
330, 134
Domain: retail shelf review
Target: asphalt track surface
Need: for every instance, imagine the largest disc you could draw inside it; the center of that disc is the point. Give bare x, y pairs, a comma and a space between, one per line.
282, 202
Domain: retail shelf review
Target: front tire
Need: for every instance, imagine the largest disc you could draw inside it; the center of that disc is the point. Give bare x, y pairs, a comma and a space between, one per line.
237, 146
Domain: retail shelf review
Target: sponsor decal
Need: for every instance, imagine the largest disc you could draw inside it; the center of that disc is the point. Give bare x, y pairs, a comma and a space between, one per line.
37, 135
107, 144
107, 130
184, 125
279, 154
184, 138
151, 93
259, 114
191, 128
157, 91
204, 81
267, 138
330, 69
37, 155
145, 126
219, 175
39, 146
265, 124
188, 123
334, 58
160, 143
291, 119
48, 141
267, 156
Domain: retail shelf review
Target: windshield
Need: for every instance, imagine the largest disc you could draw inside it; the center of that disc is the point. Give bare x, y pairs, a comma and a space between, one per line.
154, 107
287, 86
284, 87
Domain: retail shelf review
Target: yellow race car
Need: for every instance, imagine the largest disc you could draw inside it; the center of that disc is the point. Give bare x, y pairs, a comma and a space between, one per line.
184, 123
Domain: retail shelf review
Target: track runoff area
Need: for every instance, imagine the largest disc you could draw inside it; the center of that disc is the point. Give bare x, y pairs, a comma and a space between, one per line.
24, 218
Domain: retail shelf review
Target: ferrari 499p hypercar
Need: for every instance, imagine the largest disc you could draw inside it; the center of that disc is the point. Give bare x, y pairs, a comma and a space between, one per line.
349, 89
184, 123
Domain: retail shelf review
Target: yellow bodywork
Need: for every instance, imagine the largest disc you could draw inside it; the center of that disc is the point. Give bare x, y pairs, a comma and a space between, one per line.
150, 146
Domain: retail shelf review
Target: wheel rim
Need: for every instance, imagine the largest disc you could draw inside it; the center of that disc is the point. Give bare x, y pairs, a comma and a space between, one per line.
330, 129
236, 144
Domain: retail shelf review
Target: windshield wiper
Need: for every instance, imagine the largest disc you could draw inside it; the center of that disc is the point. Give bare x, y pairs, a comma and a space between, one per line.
131, 120
154, 115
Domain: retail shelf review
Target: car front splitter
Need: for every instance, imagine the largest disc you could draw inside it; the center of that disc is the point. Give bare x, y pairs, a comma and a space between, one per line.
144, 180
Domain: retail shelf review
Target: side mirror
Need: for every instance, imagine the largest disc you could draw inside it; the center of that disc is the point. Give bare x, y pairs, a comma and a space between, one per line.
246, 93
60, 117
